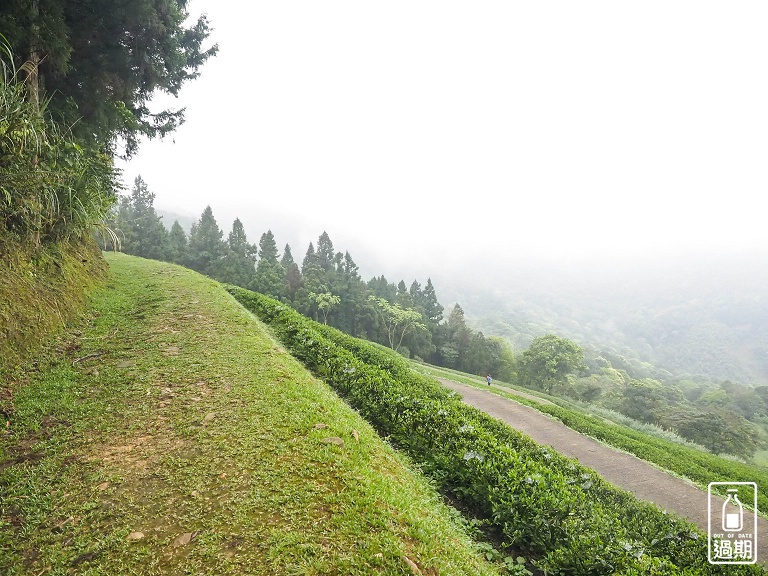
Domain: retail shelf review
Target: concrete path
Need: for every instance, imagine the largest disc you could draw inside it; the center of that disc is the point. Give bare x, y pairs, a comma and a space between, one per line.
624, 470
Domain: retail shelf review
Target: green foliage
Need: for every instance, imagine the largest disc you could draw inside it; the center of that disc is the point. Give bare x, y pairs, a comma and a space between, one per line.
177, 244
269, 276
239, 264
398, 321
720, 431
206, 248
549, 361
51, 188
138, 225
325, 303
103, 61
40, 289
292, 279
453, 345
567, 517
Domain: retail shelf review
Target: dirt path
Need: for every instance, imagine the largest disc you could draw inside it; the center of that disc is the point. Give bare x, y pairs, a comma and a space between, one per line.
624, 470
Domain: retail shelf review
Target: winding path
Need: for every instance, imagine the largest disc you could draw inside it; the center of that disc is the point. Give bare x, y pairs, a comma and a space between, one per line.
624, 470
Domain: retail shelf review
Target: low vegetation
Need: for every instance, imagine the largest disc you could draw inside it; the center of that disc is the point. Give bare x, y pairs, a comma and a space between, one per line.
169, 433
40, 289
695, 464
536, 500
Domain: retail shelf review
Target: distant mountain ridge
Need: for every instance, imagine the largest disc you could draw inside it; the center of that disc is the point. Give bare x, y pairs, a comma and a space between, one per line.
169, 217
704, 316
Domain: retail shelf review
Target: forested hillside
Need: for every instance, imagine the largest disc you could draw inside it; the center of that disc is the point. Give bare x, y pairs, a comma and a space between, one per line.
324, 283
699, 315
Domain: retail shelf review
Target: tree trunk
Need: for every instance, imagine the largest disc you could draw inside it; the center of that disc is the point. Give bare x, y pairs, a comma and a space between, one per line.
33, 86
33, 93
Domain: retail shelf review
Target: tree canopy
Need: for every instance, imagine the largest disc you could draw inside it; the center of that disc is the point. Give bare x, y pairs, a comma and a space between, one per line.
100, 62
549, 361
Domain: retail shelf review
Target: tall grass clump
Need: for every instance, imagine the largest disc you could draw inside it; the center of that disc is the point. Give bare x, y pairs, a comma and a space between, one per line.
51, 188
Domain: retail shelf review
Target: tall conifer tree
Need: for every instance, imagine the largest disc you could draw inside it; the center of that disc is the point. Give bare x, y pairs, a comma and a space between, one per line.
292, 279
239, 264
142, 229
269, 273
177, 244
433, 311
206, 247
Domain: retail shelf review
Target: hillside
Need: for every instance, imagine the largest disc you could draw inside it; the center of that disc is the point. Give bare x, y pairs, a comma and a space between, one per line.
167, 432
701, 315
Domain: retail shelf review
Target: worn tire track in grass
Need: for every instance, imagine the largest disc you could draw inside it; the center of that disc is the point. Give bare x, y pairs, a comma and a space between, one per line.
171, 434
624, 470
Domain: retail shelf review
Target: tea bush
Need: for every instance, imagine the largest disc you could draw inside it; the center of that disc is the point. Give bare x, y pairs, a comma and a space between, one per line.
542, 503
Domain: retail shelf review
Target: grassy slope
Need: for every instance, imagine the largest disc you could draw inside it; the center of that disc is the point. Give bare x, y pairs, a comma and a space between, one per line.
170, 434
697, 466
39, 290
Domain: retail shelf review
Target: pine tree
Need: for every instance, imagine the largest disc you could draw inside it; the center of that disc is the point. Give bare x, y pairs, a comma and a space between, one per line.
238, 242
403, 296
269, 273
313, 278
382, 288
239, 264
177, 244
348, 285
433, 311
100, 62
142, 229
326, 256
417, 296
292, 279
206, 248
312, 272
454, 350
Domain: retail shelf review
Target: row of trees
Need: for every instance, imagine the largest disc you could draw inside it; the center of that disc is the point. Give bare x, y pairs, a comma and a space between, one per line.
326, 285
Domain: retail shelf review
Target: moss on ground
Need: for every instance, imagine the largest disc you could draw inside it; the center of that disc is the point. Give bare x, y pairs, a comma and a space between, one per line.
41, 288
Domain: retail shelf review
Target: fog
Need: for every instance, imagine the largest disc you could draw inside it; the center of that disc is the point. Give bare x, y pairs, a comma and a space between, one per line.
439, 139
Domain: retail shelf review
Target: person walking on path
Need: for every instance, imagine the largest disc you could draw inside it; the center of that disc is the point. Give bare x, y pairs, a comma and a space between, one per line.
488, 379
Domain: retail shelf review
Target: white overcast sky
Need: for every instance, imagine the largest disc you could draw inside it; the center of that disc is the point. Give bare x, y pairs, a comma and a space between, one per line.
434, 131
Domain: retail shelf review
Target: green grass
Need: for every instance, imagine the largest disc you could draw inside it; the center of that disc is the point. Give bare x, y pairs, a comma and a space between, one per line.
40, 289
169, 410
698, 466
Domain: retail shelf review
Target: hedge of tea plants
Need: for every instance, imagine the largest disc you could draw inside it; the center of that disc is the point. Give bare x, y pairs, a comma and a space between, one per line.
544, 505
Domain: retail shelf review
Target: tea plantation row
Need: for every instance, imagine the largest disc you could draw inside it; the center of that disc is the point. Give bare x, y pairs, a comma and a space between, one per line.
545, 506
